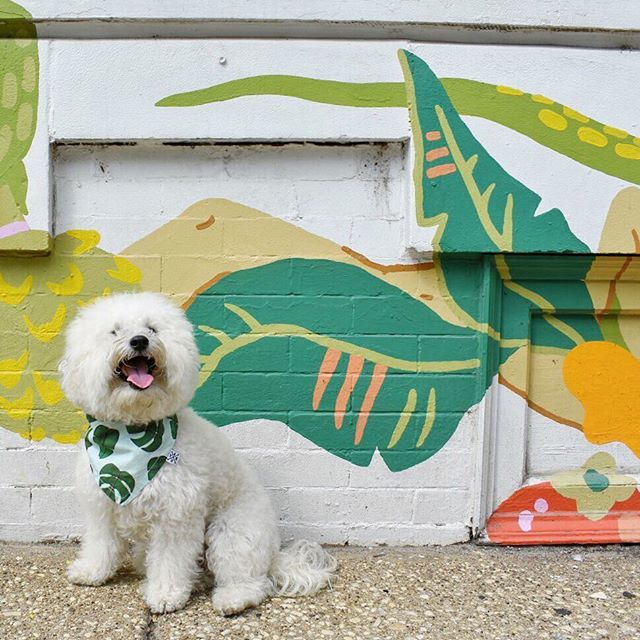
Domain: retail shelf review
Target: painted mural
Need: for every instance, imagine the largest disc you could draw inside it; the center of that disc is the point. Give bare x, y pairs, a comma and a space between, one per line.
374, 357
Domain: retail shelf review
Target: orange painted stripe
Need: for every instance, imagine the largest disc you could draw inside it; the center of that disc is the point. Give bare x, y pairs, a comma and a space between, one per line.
327, 369
433, 135
434, 154
440, 170
379, 373
354, 369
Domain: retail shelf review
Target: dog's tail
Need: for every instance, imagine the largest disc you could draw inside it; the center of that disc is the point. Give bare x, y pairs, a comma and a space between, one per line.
301, 569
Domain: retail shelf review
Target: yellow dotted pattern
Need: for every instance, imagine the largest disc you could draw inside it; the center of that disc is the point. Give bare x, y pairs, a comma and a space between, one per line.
23, 126
574, 115
552, 120
593, 137
510, 91
628, 151
588, 135
536, 97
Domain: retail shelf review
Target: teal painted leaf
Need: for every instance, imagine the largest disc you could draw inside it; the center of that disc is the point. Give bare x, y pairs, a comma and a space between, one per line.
154, 465
106, 440
345, 359
148, 437
116, 483
479, 207
459, 186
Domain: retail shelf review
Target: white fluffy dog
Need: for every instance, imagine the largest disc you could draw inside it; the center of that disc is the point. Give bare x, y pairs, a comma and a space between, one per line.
131, 363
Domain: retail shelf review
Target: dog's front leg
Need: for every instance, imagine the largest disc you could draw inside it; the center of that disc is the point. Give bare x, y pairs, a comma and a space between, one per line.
102, 548
172, 562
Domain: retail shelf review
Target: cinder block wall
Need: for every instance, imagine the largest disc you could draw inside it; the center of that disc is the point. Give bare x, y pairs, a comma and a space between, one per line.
362, 199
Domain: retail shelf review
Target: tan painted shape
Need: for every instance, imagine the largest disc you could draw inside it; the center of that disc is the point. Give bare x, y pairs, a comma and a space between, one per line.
623, 217
536, 375
241, 238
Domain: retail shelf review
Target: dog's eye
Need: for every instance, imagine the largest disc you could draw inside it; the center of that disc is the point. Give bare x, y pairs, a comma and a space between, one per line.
152, 330
114, 332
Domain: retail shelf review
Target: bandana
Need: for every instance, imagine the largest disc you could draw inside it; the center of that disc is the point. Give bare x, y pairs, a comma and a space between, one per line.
125, 458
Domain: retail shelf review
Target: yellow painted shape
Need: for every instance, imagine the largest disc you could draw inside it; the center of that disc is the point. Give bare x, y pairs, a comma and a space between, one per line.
593, 137
594, 505
47, 331
510, 91
38, 433
536, 97
403, 420
88, 240
126, 271
616, 133
70, 437
552, 120
606, 378
11, 370
71, 285
15, 295
574, 115
628, 151
430, 418
49, 390
20, 408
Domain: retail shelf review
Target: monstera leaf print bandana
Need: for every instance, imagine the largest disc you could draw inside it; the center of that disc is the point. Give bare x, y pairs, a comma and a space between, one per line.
125, 458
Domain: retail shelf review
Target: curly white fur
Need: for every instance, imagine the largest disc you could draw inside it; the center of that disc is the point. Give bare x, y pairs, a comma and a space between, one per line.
209, 506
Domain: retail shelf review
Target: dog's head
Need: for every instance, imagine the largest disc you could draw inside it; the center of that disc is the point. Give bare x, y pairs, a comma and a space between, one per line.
130, 358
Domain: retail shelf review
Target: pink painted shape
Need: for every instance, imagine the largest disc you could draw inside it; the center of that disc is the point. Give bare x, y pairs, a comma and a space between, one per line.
327, 369
379, 373
13, 228
434, 154
525, 520
354, 369
541, 505
433, 135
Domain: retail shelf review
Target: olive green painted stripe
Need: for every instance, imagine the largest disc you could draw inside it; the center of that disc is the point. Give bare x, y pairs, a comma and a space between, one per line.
347, 94
516, 110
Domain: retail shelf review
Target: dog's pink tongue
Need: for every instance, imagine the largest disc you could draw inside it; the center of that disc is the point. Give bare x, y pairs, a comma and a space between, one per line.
138, 373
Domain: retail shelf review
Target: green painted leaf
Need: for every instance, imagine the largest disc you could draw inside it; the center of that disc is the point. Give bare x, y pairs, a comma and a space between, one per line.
479, 207
154, 465
116, 483
148, 437
106, 440
288, 341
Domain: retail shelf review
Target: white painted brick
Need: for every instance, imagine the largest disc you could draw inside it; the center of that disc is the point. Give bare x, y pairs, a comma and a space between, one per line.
281, 469
29, 467
260, 435
15, 505
440, 506
39, 532
55, 504
11, 440
349, 506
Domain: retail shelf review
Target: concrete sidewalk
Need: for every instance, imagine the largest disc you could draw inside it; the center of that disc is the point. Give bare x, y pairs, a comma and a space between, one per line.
421, 593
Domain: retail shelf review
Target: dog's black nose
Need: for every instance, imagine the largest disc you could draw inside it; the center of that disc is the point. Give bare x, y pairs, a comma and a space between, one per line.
139, 343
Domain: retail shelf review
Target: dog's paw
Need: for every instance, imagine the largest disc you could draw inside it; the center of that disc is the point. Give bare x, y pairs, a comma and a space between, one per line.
161, 599
87, 574
235, 598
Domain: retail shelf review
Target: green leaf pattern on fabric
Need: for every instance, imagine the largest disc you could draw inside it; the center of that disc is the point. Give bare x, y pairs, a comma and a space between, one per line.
116, 483
148, 437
